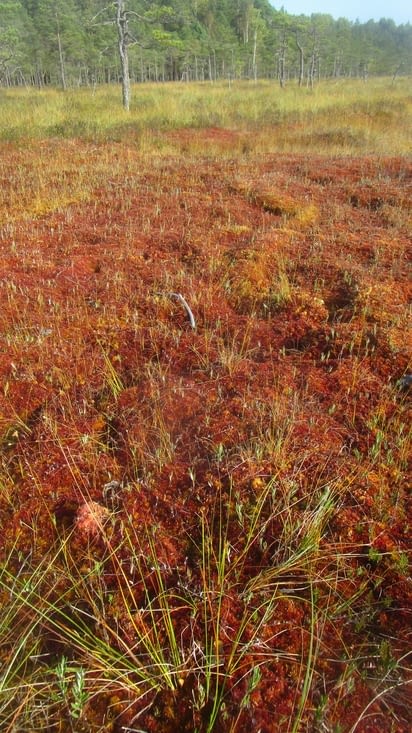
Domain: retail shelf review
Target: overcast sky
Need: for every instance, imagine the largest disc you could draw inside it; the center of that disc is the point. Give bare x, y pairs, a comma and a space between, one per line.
399, 10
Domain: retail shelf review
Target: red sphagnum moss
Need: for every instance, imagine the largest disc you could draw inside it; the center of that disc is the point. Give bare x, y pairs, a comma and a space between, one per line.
297, 273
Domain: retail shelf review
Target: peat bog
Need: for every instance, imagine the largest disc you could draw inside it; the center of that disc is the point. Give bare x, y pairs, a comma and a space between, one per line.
204, 528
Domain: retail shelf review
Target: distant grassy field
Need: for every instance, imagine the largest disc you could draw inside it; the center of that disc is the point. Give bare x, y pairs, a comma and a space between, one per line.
205, 409
347, 116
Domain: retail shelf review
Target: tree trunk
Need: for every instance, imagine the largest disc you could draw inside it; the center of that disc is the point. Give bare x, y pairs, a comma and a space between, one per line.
282, 63
122, 33
396, 72
61, 58
301, 61
312, 69
254, 57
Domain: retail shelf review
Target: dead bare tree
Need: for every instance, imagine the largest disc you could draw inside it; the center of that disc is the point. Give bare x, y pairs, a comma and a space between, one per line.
123, 44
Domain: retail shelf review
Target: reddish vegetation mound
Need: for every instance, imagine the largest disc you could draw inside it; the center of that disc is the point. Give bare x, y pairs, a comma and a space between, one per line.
284, 397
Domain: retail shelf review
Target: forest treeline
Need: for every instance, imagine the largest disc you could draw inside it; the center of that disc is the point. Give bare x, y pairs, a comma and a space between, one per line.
76, 42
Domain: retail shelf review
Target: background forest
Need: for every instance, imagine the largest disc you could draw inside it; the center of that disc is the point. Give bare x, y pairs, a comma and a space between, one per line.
75, 42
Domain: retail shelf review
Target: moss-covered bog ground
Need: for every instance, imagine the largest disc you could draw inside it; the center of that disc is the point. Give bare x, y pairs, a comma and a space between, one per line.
204, 526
